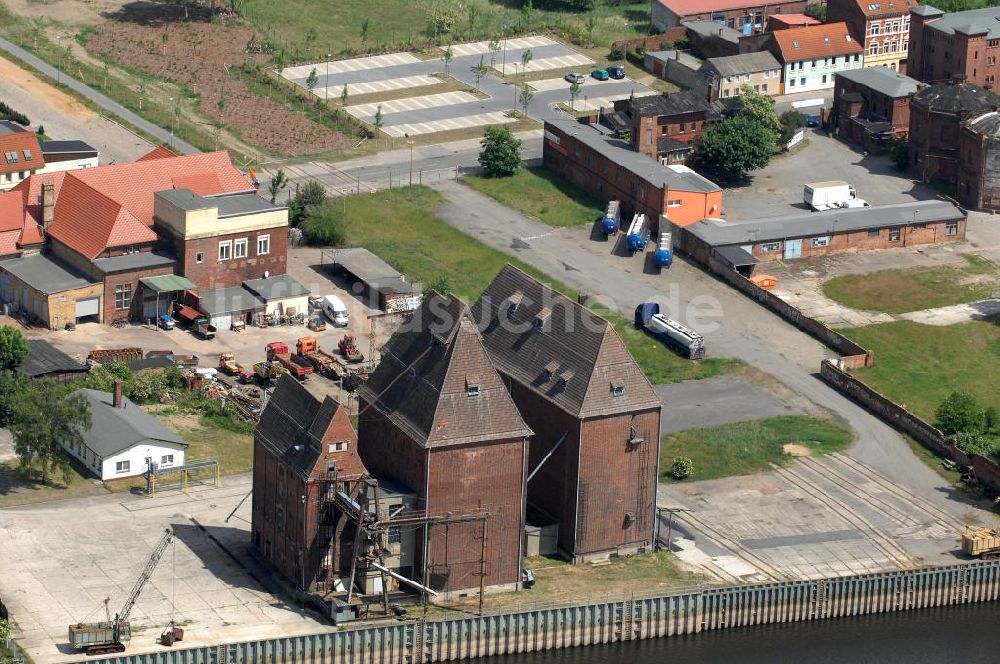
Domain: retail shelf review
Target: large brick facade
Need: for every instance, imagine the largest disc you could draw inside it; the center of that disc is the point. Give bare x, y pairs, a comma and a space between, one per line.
198, 259
871, 106
959, 45
882, 27
666, 14
979, 163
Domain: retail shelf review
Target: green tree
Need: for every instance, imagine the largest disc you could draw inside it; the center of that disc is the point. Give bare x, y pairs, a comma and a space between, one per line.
312, 80
526, 57
574, 92
899, 153
480, 71
447, 57
277, 183
526, 98
343, 96
365, 25
759, 108
12, 385
379, 120
976, 443
501, 153
44, 419
442, 284
306, 200
791, 122
13, 347
818, 11
494, 47
732, 148
991, 418
682, 468
325, 226
960, 412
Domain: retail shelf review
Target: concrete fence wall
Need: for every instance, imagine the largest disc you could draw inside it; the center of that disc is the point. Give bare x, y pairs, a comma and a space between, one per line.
986, 470
606, 622
854, 356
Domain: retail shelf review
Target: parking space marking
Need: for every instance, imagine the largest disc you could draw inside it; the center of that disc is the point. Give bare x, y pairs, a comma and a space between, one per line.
354, 64
477, 48
559, 62
451, 123
370, 87
547, 84
411, 104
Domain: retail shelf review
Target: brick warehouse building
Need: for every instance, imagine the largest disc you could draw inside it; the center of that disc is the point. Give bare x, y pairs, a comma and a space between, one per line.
872, 105
979, 163
957, 44
596, 419
936, 116
609, 169
665, 14
742, 244
881, 26
304, 448
434, 416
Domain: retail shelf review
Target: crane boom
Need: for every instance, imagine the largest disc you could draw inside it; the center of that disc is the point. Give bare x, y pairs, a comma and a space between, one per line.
147, 571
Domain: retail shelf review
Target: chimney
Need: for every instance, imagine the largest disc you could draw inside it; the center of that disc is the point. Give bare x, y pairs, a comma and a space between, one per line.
582, 299
117, 402
48, 204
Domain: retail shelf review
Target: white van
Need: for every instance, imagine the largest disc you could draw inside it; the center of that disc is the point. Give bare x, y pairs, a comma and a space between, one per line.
334, 310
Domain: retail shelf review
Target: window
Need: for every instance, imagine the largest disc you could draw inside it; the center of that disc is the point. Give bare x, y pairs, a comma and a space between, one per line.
801, 65
791, 82
820, 242
756, 87
876, 29
649, 140
746, 77
856, 57
225, 250
890, 47
339, 446
617, 390
725, 93
951, 228
763, 88
199, 257
123, 296
240, 248
167, 460
767, 74
814, 64
824, 78
12, 157
802, 81
770, 246
122, 466
394, 535
683, 128
873, 49
673, 203
729, 79
279, 517
27, 155
874, 233
919, 226
893, 235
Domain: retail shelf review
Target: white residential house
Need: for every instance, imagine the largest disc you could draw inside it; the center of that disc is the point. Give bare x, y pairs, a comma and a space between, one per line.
124, 439
812, 56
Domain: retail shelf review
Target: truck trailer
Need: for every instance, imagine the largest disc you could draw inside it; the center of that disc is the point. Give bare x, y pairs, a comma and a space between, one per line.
828, 195
612, 219
664, 255
638, 234
683, 340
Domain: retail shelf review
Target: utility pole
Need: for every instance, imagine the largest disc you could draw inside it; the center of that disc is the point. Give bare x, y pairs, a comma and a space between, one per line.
410, 143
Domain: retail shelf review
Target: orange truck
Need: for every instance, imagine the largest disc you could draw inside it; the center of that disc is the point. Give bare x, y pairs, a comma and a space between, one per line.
322, 361
277, 351
349, 349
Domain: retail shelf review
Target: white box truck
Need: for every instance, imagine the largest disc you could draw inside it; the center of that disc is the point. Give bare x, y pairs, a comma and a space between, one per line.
828, 195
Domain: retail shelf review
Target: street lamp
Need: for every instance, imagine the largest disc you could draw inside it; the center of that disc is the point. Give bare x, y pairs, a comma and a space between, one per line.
326, 82
410, 143
172, 118
514, 84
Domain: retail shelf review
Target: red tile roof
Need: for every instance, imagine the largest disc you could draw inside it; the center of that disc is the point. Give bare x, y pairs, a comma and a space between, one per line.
886, 7
31, 192
11, 211
20, 151
815, 41
159, 152
688, 7
796, 20
8, 243
112, 206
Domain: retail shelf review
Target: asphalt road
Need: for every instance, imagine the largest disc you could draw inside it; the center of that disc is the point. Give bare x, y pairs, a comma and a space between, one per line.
742, 329
715, 401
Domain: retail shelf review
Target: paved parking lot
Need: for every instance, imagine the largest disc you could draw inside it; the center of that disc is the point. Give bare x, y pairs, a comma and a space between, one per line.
820, 517
448, 110
94, 548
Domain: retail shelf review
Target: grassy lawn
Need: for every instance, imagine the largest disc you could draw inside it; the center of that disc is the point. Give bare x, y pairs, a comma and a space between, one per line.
403, 24
212, 437
426, 249
558, 582
920, 365
749, 447
913, 289
17, 489
542, 194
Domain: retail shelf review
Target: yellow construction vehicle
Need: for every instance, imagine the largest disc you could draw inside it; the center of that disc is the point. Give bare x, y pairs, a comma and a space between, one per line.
267, 371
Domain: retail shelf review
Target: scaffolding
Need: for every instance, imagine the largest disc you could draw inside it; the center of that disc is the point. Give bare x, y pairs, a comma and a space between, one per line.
153, 473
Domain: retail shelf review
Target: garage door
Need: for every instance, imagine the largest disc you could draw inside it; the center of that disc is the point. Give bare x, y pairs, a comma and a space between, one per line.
222, 321
90, 306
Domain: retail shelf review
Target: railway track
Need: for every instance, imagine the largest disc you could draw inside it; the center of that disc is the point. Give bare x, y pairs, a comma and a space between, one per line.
723, 540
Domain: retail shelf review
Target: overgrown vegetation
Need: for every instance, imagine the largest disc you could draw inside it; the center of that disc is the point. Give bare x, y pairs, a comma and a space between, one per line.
744, 142
917, 288
8, 113
426, 249
543, 194
750, 447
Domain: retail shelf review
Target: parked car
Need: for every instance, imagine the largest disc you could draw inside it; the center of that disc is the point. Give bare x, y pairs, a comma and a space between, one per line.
812, 120
616, 72
527, 578
575, 77
166, 322
600, 74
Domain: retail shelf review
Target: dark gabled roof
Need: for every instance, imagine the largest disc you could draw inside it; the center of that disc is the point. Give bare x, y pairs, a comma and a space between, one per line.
116, 429
44, 359
970, 22
429, 370
678, 103
562, 351
957, 97
293, 427
744, 63
616, 121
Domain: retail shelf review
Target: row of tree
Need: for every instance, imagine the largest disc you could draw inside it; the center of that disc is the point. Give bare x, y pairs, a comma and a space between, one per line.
973, 426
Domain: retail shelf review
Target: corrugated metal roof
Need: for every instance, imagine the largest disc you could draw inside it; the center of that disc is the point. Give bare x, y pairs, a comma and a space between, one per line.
716, 232
168, 283
44, 359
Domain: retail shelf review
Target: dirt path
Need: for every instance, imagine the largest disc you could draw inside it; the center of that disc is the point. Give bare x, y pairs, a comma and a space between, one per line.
65, 118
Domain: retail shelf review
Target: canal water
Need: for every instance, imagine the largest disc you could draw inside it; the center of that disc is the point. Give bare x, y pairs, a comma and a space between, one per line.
968, 634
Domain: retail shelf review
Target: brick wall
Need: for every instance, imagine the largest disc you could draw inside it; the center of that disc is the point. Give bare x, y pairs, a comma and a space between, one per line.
211, 273
62, 306
111, 281
979, 170
653, 42
935, 57
663, 18
933, 142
